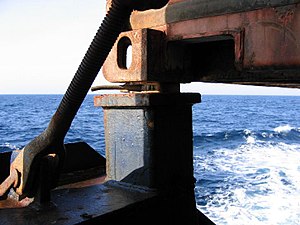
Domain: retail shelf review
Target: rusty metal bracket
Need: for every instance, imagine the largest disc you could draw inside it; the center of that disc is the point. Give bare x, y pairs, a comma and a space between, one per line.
147, 65
130, 87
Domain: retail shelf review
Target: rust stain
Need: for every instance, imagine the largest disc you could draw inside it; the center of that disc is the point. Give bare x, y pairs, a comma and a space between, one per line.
11, 203
286, 14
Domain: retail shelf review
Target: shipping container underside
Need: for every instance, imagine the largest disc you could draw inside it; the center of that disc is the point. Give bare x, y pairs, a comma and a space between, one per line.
240, 42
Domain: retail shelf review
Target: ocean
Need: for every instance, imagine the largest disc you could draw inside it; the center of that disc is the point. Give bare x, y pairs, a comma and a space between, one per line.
246, 150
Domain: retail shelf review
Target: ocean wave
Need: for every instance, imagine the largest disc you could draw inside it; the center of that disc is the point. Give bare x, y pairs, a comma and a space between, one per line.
235, 138
7, 147
255, 183
284, 128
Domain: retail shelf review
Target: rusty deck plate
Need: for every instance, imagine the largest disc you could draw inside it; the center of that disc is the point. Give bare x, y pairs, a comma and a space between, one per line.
76, 206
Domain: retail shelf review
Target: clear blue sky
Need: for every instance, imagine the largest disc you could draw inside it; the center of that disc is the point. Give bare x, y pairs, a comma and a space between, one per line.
42, 43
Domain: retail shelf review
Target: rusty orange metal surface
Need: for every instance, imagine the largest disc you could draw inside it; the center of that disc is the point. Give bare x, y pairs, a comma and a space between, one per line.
269, 39
271, 35
9, 182
265, 35
139, 70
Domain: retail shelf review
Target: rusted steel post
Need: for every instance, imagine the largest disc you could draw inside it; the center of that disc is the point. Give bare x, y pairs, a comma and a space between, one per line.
47, 176
155, 149
51, 140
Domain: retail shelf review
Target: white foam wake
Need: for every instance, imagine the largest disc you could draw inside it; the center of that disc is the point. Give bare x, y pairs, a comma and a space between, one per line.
262, 184
284, 129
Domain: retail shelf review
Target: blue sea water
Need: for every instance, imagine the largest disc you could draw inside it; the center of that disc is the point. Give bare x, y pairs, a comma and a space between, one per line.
246, 150
23, 117
247, 159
